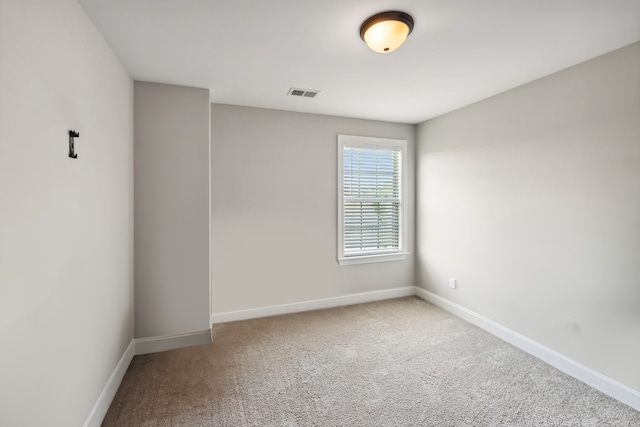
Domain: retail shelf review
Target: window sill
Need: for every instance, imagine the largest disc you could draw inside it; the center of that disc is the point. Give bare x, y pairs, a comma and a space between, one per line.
365, 259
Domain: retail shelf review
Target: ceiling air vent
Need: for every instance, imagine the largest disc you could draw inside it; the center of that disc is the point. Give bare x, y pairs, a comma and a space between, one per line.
305, 93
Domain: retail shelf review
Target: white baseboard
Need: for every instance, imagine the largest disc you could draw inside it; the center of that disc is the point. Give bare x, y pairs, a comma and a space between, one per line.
135, 347
171, 342
297, 307
570, 367
101, 407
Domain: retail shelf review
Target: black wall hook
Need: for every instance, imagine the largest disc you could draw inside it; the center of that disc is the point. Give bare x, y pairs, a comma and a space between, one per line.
72, 134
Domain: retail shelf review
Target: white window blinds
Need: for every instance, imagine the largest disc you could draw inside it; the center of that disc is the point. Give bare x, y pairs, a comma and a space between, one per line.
371, 193
371, 187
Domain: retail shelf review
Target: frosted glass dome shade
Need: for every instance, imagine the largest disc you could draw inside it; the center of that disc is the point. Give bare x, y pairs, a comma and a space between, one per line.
385, 32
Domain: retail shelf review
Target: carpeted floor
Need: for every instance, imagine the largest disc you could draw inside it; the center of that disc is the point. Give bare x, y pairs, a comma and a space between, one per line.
399, 362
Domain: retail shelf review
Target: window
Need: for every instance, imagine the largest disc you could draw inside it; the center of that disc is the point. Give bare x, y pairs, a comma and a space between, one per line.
371, 197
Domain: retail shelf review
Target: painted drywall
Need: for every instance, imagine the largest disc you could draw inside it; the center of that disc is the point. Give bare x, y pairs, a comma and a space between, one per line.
274, 209
531, 199
171, 151
66, 226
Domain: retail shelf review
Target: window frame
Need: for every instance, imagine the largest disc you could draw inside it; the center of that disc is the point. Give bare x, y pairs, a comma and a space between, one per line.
351, 141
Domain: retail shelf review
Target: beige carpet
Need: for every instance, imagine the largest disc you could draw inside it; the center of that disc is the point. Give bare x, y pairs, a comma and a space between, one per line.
399, 362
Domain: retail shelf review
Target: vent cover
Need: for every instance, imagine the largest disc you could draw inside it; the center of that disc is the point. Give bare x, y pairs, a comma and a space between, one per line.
305, 93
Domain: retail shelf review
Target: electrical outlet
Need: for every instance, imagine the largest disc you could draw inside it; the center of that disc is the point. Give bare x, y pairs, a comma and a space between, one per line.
453, 283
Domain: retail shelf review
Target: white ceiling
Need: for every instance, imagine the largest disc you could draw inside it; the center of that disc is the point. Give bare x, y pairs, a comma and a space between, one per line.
250, 52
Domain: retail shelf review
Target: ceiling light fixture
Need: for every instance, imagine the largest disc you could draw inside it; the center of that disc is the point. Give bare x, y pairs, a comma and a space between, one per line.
386, 31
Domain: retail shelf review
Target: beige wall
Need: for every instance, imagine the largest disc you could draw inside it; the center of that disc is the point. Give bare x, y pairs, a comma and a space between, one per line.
171, 210
274, 209
531, 199
66, 238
